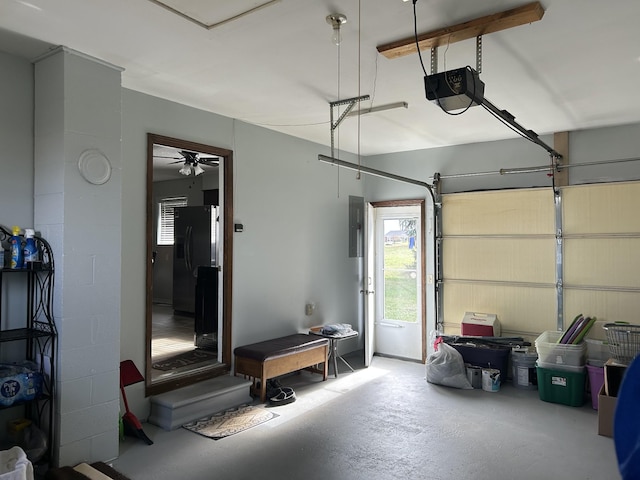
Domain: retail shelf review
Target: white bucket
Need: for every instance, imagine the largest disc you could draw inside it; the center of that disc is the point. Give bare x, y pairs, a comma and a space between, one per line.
524, 370
490, 379
474, 374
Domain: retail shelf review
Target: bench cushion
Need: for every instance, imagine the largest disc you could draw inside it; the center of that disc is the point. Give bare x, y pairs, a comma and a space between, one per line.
279, 347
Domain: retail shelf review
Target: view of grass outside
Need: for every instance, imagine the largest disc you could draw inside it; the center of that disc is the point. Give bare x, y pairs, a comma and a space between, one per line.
400, 285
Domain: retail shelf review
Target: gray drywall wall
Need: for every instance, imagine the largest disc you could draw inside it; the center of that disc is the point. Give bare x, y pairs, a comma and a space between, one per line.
16, 141
294, 247
16, 182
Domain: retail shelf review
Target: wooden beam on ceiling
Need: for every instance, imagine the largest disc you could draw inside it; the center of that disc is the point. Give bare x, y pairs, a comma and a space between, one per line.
529, 13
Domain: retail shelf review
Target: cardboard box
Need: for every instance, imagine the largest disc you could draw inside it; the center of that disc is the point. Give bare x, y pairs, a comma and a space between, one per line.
606, 410
613, 374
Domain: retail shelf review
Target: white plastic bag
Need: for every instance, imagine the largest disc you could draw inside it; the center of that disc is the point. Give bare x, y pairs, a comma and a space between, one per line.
446, 367
14, 465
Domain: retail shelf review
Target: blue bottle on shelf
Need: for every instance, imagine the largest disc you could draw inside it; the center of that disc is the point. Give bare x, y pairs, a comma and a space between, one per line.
15, 247
30, 252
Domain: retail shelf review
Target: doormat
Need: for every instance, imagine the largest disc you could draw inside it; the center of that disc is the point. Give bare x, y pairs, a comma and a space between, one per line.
183, 359
230, 422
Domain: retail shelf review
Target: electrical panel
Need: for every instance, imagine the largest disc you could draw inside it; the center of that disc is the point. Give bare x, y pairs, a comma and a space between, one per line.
356, 226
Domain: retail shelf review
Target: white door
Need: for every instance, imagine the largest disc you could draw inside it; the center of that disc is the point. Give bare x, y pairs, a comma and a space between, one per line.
369, 281
398, 300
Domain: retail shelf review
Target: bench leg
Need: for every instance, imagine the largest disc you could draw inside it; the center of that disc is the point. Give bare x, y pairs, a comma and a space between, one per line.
263, 385
325, 370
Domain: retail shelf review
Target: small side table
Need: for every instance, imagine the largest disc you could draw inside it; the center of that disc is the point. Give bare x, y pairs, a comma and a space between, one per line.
333, 346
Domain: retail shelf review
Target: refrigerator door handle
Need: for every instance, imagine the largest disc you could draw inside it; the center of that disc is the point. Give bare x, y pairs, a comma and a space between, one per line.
187, 249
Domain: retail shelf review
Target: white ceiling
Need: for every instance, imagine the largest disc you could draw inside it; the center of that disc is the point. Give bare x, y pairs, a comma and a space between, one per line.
576, 68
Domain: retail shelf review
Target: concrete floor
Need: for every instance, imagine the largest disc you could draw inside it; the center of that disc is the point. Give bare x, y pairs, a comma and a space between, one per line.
386, 422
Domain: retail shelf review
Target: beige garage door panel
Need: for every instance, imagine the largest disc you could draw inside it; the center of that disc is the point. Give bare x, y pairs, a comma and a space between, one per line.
507, 236
608, 306
602, 262
499, 213
519, 309
500, 259
607, 208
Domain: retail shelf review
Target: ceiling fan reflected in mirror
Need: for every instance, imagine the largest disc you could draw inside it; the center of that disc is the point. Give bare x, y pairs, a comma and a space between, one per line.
191, 162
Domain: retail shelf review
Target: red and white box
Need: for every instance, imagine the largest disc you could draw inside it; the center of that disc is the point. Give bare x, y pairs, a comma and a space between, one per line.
480, 325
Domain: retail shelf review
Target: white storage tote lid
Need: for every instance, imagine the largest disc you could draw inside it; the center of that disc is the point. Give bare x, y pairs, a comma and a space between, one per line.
480, 325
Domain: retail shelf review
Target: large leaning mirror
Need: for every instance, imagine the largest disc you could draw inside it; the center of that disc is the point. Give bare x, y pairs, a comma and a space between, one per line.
189, 252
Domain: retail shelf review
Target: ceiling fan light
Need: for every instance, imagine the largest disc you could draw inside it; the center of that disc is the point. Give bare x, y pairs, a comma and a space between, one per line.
198, 170
186, 169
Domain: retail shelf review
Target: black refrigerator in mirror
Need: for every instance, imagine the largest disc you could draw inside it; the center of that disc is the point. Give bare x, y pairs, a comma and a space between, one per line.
195, 269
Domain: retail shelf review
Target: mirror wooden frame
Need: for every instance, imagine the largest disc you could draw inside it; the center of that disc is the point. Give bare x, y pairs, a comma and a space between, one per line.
227, 264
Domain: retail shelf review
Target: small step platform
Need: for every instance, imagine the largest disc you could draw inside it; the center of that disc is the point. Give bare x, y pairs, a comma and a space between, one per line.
173, 409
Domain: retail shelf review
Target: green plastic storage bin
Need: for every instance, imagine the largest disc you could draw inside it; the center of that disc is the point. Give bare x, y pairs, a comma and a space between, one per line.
563, 386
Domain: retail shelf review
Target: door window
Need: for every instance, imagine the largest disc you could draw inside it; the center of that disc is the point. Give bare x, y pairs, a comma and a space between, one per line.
400, 269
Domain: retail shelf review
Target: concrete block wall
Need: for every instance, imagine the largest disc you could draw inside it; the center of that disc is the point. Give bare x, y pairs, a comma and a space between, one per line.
78, 190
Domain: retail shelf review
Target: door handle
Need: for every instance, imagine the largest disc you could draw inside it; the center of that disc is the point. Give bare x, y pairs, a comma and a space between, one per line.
367, 292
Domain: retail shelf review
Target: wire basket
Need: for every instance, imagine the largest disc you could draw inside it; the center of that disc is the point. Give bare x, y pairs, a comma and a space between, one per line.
624, 341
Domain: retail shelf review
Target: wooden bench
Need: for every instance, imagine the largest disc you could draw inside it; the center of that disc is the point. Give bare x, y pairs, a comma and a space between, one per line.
272, 358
